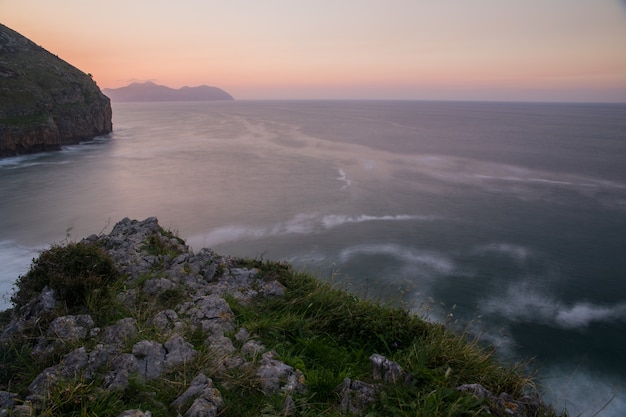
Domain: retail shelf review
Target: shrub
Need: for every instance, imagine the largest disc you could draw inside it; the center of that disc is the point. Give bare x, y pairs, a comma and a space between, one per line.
74, 271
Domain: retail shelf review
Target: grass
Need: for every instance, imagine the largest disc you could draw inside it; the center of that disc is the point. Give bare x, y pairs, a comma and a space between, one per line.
327, 333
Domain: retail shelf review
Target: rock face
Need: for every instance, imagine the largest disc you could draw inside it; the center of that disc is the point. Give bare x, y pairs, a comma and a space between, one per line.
45, 102
150, 91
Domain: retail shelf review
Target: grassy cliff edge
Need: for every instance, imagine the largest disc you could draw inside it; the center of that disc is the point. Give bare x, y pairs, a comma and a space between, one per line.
258, 337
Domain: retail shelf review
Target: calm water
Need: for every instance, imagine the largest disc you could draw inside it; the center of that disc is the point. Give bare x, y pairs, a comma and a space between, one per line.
510, 217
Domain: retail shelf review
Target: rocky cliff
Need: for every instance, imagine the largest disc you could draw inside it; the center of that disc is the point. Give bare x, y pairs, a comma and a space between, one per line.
134, 323
44, 101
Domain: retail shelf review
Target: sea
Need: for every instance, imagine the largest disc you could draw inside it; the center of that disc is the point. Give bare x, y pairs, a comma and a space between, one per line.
503, 220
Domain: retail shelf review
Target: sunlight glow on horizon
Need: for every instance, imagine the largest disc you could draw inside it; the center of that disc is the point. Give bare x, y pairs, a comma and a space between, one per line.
562, 50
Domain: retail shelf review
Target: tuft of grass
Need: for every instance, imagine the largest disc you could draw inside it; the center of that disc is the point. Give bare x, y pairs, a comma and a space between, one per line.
160, 244
80, 398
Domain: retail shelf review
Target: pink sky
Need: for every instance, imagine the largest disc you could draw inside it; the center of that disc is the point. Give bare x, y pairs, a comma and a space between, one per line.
556, 50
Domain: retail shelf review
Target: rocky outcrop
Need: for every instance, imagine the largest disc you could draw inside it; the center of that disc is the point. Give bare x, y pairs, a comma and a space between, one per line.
118, 352
45, 102
174, 317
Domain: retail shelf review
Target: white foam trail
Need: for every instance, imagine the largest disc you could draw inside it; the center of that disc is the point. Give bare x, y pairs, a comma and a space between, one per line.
301, 224
335, 220
583, 314
433, 261
517, 252
523, 303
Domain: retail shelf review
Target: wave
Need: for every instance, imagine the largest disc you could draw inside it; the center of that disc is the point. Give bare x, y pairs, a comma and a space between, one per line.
301, 224
15, 260
342, 177
50, 157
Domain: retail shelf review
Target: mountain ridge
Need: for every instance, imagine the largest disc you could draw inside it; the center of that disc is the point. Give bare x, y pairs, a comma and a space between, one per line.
150, 91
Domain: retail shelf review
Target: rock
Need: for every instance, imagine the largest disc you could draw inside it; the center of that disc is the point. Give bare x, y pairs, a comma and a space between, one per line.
211, 313
275, 375
69, 368
135, 413
157, 285
220, 345
504, 405
178, 351
386, 370
356, 396
150, 359
63, 330
223, 353
476, 389
153, 357
204, 398
30, 314
242, 335
119, 333
167, 321
123, 367
252, 349
7, 399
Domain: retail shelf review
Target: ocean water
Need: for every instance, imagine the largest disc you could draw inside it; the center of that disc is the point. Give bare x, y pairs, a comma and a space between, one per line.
504, 219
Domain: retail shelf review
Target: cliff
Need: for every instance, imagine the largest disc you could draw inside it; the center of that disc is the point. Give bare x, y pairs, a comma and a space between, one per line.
45, 102
150, 91
134, 323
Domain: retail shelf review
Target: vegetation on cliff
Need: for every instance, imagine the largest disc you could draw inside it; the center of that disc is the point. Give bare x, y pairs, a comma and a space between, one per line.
134, 323
44, 101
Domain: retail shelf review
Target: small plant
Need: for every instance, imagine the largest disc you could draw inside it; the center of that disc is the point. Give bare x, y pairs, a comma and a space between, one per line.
163, 242
79, 398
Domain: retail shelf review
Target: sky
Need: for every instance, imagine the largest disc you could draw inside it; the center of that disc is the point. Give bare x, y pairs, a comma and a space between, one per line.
513, 50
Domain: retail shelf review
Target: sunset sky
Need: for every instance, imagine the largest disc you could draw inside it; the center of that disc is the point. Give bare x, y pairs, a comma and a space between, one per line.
555, 50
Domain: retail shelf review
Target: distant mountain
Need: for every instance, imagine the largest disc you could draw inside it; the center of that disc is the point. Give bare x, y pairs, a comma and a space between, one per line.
150, 91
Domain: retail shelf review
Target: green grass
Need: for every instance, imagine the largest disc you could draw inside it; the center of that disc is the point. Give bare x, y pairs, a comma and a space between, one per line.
329, 334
